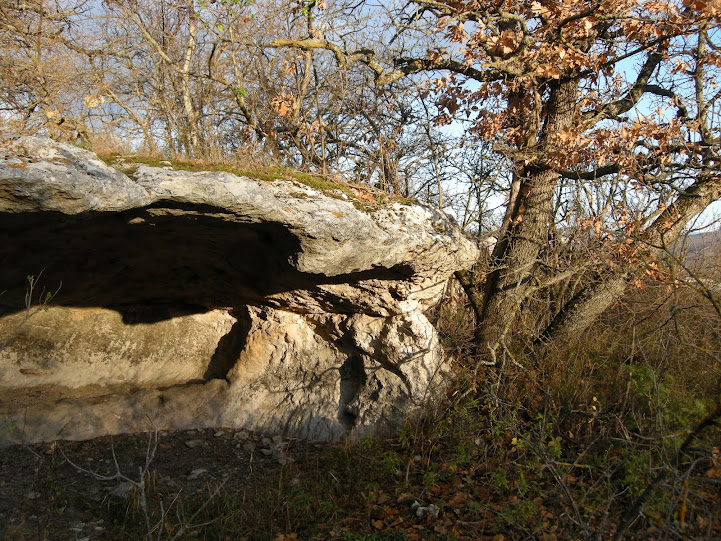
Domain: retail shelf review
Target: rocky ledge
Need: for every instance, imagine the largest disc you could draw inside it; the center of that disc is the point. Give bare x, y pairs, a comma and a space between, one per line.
207, 299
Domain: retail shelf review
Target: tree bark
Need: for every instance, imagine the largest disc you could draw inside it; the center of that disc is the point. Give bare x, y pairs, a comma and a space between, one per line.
191, 115
584, 309
527, 228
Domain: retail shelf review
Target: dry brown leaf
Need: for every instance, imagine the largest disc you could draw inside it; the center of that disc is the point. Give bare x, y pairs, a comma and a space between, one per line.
458, 499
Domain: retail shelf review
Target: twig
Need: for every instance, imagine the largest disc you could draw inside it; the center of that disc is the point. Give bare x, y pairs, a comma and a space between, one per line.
118, 475
29, 311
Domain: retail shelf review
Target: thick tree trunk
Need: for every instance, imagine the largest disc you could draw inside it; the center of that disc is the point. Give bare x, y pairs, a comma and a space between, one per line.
507, 285
527, 230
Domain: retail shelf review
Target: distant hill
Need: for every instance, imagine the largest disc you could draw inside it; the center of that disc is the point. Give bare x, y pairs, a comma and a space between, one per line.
700, 244
702, 253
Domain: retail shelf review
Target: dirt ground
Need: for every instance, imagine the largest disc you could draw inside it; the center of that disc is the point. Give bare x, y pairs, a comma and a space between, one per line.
44, 496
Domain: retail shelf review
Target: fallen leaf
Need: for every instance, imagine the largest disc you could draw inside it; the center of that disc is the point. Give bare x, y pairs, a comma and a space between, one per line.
458, 499
405, 498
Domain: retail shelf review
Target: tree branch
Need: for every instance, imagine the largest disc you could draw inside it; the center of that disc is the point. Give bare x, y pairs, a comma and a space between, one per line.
625, 104
594, 174
404, 66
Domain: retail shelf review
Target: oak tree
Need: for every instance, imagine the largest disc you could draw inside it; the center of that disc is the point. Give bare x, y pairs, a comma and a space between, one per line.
591, 93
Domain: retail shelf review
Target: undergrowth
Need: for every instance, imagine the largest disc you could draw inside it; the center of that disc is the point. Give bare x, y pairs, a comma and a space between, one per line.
515, 455
616, 436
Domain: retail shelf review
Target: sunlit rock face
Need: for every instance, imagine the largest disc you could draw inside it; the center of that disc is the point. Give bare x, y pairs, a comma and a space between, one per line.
208, 299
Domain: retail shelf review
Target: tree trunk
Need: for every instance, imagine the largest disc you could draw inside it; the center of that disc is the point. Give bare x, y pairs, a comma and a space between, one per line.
191, 115
527, 229
589, 303
506, 286
584, 309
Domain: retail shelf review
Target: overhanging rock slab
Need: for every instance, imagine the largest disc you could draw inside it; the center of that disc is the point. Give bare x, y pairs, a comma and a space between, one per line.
209, 299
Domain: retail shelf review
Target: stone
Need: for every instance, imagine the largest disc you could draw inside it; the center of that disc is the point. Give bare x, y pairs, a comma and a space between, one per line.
192, 444
62, 344
422, 512
208, 300
196, 474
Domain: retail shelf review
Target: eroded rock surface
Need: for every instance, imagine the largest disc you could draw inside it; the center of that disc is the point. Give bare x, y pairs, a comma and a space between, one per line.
209, 299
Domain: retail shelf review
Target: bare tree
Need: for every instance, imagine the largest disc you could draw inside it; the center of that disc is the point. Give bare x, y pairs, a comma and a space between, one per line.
39, 73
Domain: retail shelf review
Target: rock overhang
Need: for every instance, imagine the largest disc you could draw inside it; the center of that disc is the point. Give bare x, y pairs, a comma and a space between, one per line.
296, 288
211, 239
